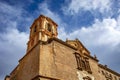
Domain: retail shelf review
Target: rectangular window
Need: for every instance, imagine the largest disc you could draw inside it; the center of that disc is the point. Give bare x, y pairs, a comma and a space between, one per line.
78, 59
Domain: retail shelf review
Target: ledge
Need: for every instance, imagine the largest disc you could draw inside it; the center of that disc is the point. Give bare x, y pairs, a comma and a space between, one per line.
60, 41
108, 69
46, 77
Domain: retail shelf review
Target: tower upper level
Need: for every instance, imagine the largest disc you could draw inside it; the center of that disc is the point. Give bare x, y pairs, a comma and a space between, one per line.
42, 29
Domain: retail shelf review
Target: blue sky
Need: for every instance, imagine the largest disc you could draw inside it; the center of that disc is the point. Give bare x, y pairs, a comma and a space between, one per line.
96, 23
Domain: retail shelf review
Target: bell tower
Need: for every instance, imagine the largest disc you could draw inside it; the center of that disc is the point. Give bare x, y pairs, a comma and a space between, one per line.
42, 29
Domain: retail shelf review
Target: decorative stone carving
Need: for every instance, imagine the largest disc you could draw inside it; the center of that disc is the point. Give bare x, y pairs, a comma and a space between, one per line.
82, 75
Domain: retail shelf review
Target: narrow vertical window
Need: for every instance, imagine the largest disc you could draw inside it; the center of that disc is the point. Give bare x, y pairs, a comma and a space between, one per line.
78, 59
88, 65
48, 27
83, 65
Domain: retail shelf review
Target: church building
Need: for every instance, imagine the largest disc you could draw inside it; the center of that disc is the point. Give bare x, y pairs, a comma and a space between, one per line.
49, 58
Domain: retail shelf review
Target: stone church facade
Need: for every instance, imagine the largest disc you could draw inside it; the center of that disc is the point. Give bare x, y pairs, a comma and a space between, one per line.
49, 58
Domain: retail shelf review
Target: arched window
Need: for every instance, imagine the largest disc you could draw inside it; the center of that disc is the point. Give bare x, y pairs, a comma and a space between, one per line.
48, 27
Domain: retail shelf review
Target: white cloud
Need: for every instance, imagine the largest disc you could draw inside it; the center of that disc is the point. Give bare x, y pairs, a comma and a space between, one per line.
9, 10
102, 39
101, 32
13, 16
76, 5
12, 41
12, 48
47, 12
118, 21
15, 38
